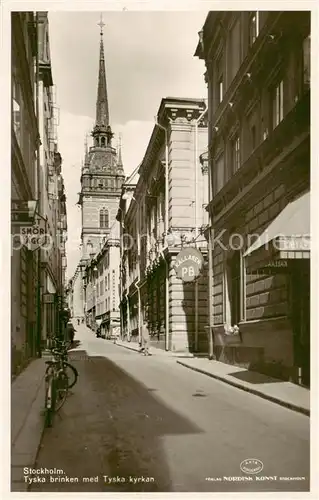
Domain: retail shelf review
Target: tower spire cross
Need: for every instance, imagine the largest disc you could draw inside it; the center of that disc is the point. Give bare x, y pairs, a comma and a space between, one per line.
101, 24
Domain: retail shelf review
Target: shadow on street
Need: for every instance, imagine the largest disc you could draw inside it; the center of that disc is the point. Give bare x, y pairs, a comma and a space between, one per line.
254, 377
110, 430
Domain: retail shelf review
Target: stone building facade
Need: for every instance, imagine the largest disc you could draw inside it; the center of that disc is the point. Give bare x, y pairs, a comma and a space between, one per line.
36, 176
25, 341
258, 75
165, 214
52, 200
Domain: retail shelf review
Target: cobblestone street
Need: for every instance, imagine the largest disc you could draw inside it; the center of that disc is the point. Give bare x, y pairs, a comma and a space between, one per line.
129, 428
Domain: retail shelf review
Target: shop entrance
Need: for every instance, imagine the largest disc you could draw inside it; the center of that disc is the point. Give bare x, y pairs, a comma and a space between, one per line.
300, 278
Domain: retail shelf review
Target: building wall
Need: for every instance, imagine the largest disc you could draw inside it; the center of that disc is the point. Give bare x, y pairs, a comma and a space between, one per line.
182, 177
24, 279
175, 321
273, 167
78, 302
52, 199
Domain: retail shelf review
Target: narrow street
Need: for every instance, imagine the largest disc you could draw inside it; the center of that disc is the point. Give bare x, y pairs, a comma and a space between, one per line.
133, 417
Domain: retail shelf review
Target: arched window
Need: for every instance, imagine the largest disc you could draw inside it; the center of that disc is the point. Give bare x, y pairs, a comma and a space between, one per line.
103, 142
104, 218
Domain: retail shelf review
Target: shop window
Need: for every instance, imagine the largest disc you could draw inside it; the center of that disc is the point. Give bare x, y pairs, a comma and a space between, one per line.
278, 104
253, 27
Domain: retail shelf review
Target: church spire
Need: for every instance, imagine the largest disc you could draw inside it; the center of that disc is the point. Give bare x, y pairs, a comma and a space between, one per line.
102, 107
102, 132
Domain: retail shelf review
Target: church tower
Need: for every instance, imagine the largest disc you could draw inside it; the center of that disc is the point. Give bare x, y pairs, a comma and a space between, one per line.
102, 174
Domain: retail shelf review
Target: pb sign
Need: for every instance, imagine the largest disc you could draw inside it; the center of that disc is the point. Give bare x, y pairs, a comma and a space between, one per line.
189, 263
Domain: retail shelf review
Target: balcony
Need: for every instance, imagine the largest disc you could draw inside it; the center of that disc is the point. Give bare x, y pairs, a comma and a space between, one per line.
295, 124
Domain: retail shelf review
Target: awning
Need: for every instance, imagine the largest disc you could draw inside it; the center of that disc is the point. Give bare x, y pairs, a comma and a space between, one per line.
288, 235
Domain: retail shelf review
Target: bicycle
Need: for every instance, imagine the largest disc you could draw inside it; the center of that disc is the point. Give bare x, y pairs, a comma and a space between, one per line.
60, 352
56, 390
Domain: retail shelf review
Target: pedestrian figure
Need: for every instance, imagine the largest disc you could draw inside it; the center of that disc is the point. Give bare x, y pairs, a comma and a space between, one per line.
82, 320
70, 331
78, 321
145, 339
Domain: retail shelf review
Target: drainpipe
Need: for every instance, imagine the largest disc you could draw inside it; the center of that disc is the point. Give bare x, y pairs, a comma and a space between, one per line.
196, 218
128, 318
166, 232
138, 274
210, 266
38, 168
139, 311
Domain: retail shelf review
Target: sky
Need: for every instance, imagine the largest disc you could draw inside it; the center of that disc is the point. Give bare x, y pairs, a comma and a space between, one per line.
148, 56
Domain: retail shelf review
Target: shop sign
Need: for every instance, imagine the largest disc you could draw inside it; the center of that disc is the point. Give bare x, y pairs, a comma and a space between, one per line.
48, 298
295, 244
189, 263
33, 237
271, 268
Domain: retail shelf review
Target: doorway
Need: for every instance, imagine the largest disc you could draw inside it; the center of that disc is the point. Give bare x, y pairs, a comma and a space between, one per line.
300, 315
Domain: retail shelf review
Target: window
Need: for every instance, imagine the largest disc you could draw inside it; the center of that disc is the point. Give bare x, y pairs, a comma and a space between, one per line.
104, 218
253, 27
16, 110
220, 79
278, 104
234, 52
235, 154
306, 62
102, 142
219, 173
253, 137
220, 89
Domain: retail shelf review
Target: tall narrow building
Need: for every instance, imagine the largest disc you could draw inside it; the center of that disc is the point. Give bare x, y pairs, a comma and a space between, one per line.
102, 174
101, 182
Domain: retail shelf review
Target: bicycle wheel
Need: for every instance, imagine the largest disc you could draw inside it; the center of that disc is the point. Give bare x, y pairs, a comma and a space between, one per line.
61, 389
71, 373
49, 401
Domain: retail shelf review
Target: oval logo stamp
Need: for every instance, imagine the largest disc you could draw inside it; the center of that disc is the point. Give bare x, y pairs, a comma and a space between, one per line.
251, 466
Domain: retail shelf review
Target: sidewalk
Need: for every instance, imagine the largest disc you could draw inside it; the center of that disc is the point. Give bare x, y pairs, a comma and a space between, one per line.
286, 394
27, 424
155, 351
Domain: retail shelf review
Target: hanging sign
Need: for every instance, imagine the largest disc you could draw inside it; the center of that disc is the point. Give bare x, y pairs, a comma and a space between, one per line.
33, 237
189, 264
